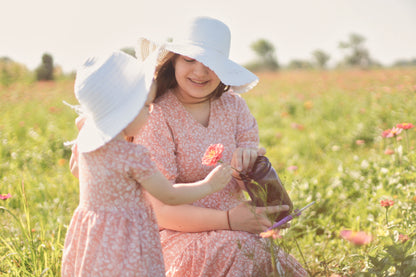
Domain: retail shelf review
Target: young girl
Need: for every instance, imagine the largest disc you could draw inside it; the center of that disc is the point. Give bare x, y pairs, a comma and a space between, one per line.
197, 105
113, 231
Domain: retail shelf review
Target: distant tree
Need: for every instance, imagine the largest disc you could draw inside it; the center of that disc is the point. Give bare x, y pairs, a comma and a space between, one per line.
266, 53
320, 58
403, 62
359, 55
44, 71
12, 72
299, 64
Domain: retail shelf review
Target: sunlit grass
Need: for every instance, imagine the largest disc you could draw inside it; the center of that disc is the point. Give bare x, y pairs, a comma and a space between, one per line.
322, 131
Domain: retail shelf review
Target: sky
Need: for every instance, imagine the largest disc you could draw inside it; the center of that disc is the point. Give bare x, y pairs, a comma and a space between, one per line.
72, 30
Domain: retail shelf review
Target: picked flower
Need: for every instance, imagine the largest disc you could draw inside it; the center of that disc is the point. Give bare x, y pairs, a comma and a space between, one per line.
387, 203
357, 238
405, 126
5, 196
213, 154
273, 233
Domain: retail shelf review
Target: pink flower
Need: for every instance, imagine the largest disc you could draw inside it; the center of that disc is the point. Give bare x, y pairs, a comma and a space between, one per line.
405, 126
297, 126
387, 203
386, 133
389, 133
394, 132
360, 142
389, 151
213, 154
274, 233
403, 238
292, 168
357, 238
5, 196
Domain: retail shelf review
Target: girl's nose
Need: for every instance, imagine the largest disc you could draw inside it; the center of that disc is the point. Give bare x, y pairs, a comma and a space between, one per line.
201, 69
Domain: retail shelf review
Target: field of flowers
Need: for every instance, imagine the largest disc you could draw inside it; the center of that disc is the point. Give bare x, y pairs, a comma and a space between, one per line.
344, 139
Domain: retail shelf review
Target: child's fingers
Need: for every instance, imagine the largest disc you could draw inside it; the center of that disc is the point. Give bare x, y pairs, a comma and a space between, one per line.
261, 151
79, 122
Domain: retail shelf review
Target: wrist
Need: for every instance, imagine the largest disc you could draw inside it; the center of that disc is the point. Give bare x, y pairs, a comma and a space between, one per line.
228, 220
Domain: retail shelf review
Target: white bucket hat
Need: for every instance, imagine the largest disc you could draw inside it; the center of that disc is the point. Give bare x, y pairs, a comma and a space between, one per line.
207, 40
111, 90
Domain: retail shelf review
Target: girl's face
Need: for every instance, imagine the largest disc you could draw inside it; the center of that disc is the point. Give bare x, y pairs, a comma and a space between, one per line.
134, 127
195, 80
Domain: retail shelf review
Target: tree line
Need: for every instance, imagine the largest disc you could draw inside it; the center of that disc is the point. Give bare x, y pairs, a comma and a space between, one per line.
356, 55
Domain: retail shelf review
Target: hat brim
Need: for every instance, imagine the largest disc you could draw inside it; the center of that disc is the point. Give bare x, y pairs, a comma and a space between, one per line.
96, 134
230, 73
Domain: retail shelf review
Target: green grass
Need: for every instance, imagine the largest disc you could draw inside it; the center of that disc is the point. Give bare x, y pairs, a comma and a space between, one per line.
308, 119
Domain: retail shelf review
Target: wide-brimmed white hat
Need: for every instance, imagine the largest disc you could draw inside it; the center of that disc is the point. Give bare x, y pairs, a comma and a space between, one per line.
111, 90
207, 40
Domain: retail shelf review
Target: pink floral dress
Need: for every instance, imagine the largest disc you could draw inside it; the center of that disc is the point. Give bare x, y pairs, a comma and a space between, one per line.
177, 143
113, 231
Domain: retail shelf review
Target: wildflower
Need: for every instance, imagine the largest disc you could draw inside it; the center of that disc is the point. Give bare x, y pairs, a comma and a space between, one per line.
360, 142
213, 154
61, 162
292, 168
297, 126
387, 203
308, 105
389, 151
403, 238
274, 233
5, 196
386, 133
405, 126
414, 198
394, 132
357, 238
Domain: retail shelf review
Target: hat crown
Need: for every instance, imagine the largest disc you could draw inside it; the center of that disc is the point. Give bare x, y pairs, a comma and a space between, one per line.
104, 83
208, 33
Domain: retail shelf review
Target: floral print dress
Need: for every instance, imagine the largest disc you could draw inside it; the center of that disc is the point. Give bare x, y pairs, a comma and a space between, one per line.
177, 143
113, 231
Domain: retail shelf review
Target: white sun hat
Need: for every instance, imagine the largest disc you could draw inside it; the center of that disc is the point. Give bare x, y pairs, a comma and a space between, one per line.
207, 40
111, 90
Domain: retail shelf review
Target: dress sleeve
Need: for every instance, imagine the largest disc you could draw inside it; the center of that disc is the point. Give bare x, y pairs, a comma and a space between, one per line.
247, 135
157, 137
140, 163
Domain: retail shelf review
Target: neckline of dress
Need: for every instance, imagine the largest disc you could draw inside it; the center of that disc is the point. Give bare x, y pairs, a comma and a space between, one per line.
211, 109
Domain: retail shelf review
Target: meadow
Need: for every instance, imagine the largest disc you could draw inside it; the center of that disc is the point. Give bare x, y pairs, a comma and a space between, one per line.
329, 135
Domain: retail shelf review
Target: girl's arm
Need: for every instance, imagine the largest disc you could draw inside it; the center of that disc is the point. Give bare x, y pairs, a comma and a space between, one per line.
159, 187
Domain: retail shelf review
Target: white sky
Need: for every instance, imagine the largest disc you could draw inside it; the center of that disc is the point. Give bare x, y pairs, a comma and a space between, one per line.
72, 30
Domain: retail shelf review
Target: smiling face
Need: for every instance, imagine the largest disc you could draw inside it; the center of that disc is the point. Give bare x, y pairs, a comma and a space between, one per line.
195, 81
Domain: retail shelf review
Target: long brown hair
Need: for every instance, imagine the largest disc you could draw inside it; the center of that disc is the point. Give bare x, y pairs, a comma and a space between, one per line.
165, 78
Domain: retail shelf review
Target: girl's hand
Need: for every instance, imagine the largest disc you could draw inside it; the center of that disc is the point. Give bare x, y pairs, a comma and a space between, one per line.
245, 217
219, 177
244, 158
73, 161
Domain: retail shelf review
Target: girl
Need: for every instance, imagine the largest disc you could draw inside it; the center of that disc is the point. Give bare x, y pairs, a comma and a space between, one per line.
197, 105
113, 231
